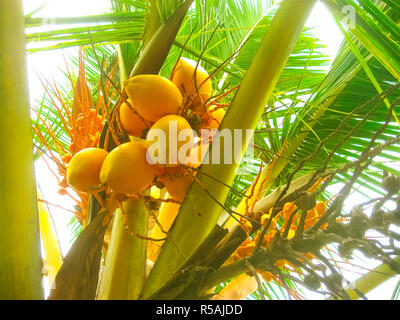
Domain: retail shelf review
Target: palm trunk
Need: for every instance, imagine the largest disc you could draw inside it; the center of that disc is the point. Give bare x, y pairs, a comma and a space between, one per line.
20, 258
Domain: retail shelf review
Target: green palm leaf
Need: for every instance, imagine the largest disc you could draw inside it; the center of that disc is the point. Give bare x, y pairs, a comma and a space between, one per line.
112, 27
376, 29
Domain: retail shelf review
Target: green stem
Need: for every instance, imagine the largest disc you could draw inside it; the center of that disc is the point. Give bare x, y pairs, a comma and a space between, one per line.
123, 74
154, 54
224, 274
153, 22
125, 266
20, 258
372, 280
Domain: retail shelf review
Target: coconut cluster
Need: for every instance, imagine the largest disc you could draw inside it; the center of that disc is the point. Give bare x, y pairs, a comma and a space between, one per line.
153, 103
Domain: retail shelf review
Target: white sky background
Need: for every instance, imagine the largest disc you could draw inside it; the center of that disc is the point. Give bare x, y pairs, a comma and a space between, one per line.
49, 65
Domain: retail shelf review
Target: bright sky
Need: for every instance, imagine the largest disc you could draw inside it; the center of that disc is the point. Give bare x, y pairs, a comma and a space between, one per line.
48, 64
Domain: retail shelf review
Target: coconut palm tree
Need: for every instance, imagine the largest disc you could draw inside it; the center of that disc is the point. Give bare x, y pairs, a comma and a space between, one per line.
270, 218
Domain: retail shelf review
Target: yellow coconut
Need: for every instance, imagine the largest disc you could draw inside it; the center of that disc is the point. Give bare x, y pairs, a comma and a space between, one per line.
149, 266
177, 181
184, 77
171, 139
238, 289
84, 168
166, 217
126, 169
132, 123
217, 117
197, 155
153, 96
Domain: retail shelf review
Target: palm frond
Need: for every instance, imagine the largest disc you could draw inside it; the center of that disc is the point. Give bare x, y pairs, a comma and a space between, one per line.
114, 27
376, 29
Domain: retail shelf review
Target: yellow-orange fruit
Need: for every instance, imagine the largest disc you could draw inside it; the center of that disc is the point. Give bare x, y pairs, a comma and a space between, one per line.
166, 147
84, 168
153, 96
197, 155
166, 217
184, 77
126, 169
280, 263
149, 266
238, 289
177, 181
217, 115
320, 207
130, 121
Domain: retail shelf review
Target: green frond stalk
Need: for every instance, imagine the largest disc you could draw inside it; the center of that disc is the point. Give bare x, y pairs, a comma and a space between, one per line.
156, 51
371, 280
125, 265
153, 22
20, 258
199, 212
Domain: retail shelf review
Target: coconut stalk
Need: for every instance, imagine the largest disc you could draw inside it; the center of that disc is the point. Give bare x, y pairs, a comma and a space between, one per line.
199, 212
157, 48
20, 258
153, 22
125, 266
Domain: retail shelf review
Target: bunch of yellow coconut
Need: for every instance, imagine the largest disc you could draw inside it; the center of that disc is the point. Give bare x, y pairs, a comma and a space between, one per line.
152, 103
